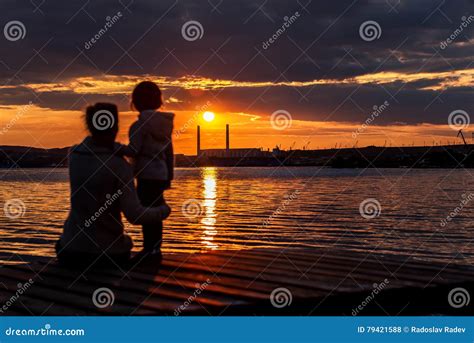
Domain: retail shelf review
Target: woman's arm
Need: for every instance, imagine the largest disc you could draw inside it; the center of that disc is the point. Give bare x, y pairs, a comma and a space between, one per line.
121, 150
135, 143
130, 205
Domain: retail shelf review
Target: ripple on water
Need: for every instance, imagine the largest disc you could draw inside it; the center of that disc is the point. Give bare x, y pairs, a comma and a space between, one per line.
245, 208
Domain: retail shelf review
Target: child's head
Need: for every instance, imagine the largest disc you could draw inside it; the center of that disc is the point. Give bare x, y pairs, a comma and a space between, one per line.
146, 96
102, 120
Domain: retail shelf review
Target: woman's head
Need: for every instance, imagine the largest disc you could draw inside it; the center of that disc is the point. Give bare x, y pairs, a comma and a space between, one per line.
102, 121
146, 96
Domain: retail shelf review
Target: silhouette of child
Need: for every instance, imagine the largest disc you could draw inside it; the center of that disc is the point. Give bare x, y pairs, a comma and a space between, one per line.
151, 149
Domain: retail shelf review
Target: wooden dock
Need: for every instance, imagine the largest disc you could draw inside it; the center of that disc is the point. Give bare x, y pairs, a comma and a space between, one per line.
249, 282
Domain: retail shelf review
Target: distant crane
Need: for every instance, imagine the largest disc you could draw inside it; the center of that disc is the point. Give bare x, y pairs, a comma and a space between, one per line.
306, 145
462, 136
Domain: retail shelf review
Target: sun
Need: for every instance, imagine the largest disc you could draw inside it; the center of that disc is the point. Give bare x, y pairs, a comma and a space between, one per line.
208, 116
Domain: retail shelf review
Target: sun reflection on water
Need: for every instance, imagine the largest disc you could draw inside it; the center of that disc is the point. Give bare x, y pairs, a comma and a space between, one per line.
209, 219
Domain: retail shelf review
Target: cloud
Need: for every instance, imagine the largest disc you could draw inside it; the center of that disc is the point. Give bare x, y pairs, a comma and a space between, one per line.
319, 69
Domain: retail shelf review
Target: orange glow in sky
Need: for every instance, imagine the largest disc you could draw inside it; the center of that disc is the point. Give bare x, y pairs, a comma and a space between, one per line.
46, 128
43, 127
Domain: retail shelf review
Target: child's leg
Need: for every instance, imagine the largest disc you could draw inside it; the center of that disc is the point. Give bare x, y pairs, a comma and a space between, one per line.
150, 193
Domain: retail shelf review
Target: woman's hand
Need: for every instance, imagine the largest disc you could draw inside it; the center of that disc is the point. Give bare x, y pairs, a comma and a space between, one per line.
165, 211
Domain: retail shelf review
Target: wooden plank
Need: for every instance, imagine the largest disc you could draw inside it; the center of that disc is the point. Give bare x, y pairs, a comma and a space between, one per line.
80, 295
356, 269
161, 297
321, 282
157, 285
254, 275
31, 305
390, 261
190, 283
48, 293
189, 272
241, 285
329, 280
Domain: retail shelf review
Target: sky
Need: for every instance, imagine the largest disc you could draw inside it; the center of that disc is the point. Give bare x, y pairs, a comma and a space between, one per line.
292, 73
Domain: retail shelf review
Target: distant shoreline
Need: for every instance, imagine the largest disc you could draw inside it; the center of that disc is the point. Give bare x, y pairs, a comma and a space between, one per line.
433, 157
248, 167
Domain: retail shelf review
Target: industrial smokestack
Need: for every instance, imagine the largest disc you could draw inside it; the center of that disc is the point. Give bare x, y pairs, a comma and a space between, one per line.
198, 141
227, 139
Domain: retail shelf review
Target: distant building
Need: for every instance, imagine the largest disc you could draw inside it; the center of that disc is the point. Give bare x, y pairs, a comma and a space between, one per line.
240, 153
227, 152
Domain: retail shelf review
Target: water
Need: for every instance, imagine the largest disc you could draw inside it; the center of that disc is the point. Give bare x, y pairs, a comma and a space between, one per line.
291, 208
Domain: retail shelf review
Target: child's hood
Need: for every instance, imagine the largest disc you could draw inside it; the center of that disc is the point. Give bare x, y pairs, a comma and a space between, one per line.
156, 123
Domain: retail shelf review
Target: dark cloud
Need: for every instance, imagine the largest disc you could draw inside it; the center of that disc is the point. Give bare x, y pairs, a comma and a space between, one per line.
323, 42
